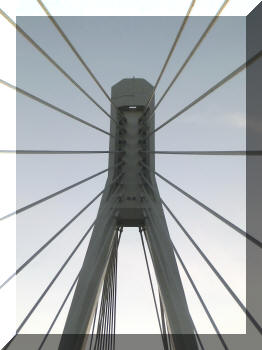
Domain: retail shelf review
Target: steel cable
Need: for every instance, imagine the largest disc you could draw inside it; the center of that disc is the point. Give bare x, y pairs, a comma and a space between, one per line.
210, 90
192, 52
56, 152
151, 285
93, 328
56, 235
200, 298
221, 279
18, 211
54, 63
55, 108
211, 211
64, 36
171, 51
209, 153
58, 313
44, 246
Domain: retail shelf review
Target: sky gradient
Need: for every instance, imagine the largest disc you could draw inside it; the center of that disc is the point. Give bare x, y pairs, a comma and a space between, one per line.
125, 47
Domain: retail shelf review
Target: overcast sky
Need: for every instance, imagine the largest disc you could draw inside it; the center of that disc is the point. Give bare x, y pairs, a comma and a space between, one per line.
117, 48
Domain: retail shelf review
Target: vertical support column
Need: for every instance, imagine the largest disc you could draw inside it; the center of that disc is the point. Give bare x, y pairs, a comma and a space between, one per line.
170, 286
90, 281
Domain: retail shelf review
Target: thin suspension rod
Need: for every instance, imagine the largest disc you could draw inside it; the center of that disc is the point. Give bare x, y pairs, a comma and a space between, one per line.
150, 279
104, 311
102, 318
58, 313
103, 300
200, 298
141, 230
211, 24
57, 152
107, 314
74, 50
18, 211
211, 211
103, 308
114, 295
120, 231
163, 320
44, 246
198, 337
109, 306
111, 293
171, 51
209, 153
99, 323
51, 60
102, 303
93, 328
221, 279
111, 330
212, 89
50, 105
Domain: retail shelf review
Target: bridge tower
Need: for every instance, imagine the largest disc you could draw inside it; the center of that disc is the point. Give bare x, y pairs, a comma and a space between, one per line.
130, 199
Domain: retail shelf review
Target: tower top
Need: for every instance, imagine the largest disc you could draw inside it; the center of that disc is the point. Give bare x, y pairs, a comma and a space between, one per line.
131, 91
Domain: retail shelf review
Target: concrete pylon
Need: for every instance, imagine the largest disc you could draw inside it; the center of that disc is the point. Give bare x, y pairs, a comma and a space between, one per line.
130, 202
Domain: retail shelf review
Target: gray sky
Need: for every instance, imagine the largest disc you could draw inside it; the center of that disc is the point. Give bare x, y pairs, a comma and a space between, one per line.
116, 48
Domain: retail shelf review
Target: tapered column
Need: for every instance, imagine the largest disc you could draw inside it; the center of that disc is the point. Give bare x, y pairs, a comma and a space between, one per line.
90, 281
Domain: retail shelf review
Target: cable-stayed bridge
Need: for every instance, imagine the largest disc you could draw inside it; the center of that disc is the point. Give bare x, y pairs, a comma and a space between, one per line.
130, 199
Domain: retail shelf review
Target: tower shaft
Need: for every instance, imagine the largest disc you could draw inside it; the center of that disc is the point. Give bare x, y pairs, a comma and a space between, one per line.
130, 202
